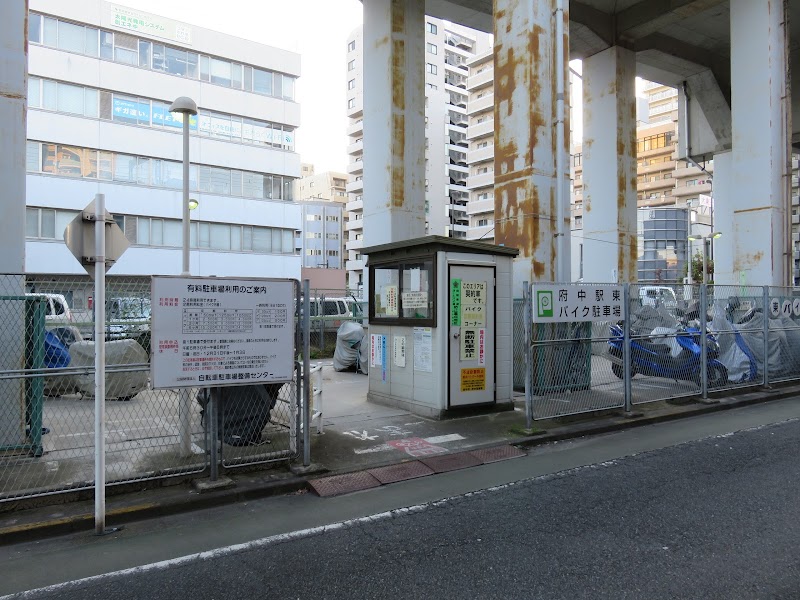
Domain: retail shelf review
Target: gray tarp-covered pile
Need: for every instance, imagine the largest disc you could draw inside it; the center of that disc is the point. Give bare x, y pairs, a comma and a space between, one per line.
122, 385
783, 358
347, 355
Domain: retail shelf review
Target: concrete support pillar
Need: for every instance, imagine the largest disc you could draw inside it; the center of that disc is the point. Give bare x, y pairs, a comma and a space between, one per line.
530, 158
13, 95
394, 120
760, 160
13, 106
609, 166
723, 221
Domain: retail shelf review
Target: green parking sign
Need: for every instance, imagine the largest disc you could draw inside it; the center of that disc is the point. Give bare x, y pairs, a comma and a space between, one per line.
544, 303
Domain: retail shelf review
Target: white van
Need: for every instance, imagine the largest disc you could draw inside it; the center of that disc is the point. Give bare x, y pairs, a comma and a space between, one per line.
57, 311
657, 295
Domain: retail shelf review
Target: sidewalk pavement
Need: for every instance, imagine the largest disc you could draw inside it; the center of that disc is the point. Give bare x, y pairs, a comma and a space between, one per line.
359, 438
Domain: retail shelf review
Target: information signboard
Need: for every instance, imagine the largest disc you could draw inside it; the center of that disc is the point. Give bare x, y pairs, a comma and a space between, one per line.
211, 331
569, 302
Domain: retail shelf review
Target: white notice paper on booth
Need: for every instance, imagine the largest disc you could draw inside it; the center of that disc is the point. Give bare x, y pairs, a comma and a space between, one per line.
211, 331
399, 350
423, 349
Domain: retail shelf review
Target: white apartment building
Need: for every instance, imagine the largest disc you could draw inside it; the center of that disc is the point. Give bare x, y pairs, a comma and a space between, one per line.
328, 185
101, 79
480, 152
448, 48
319, 241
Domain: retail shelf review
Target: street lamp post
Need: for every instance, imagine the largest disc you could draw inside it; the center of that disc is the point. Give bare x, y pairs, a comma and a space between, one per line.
186, 107
707, 241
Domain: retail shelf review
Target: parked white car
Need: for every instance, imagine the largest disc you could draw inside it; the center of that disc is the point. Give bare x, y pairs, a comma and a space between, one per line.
57, 310
657, 295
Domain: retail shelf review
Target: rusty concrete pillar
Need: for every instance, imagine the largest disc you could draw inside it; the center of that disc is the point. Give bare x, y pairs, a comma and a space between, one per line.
527, 146
760, 159
394, 120
13, 104
609, 166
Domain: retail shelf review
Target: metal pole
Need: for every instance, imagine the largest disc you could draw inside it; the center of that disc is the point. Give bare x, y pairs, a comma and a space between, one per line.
703, 333
526, 319
100, 364
765, 301
627, 374
306, 375
213, 407
184, 401
705, 260
185, 208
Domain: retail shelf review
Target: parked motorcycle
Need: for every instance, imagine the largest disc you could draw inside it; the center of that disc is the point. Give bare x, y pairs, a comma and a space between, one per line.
657, 359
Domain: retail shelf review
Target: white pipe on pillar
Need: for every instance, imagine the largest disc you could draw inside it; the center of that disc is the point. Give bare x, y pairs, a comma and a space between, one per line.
563, 268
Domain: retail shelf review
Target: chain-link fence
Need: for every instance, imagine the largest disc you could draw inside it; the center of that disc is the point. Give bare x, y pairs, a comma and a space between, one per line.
329, 308
47, 415
681, 341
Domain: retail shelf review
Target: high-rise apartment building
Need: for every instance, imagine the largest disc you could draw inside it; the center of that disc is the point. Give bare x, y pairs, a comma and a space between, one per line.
448, 48
480, 151
101, 79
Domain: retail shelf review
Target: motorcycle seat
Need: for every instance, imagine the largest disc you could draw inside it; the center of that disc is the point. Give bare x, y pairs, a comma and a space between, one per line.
654, 347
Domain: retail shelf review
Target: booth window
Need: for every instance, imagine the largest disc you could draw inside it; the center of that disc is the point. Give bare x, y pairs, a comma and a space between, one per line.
403, 293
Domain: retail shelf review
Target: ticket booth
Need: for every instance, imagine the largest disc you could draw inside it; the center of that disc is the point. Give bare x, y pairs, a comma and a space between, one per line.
440, 325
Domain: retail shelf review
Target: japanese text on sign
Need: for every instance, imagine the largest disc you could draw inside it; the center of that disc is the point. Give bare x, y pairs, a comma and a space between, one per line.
567, 303
473, 380
473, 303
221, 331
455, 302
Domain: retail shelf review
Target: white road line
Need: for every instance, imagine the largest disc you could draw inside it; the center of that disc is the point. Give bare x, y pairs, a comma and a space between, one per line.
439, 439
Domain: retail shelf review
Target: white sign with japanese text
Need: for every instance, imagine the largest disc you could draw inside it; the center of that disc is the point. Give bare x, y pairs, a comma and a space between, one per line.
211, 331
567, 303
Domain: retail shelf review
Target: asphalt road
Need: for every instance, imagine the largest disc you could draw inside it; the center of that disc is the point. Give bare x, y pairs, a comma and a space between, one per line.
714, 518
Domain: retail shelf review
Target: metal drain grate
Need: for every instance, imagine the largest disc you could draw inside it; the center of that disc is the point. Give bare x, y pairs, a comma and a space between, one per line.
401, 472
344, 484
498, 453
451, 462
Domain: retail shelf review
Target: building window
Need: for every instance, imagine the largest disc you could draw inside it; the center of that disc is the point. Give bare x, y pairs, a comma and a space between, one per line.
432, 28
128, 49
351, 46
351, 103
311, 235
332, 219
351, 65
432, 49
88, 163
333, 253
47, 223
351, 85
313, 217
90, 102
331, 236
431, 68
483, 222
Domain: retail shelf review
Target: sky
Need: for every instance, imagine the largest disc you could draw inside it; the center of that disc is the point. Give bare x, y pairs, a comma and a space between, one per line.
317, 30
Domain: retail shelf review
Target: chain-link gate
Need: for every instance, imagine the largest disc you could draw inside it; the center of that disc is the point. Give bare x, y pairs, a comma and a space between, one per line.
47, 413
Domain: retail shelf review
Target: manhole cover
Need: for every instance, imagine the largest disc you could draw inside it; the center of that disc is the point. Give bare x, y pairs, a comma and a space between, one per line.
451, 462
498, 453
344, 484
401, 472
